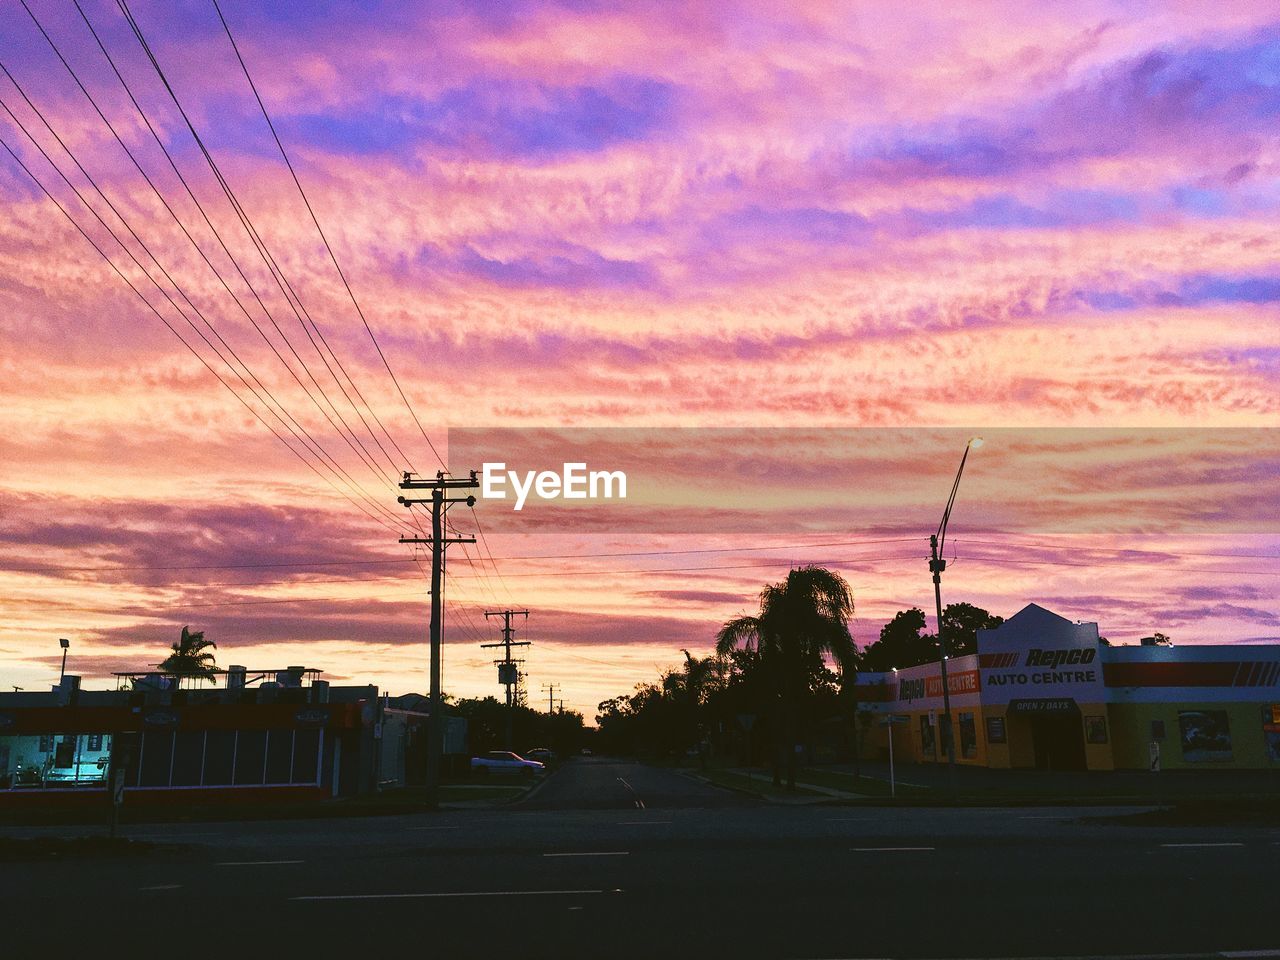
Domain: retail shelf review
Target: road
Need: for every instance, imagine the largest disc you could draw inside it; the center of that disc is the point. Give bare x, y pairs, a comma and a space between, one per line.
617, 860
596, 783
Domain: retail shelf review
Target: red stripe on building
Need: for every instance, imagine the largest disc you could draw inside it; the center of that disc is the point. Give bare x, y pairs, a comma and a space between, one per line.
1186, 674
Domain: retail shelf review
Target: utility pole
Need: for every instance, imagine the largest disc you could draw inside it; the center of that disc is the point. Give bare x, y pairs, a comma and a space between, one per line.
550, 688
508, 669
437, 541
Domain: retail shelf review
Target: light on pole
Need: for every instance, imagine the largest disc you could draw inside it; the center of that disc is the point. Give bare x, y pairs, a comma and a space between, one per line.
936, 566
65, 645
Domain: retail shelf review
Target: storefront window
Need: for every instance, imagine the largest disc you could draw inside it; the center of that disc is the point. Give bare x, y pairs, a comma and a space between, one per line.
54, 760
163, 758
968, 736
1095, 729
1271, 731
996, 730
1205, 735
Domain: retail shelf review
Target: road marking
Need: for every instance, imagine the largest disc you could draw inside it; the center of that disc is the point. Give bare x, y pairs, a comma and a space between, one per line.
257, 863
632, 790
1202, 844
474, 893
639, 823
888, 849
592, 853
164, 886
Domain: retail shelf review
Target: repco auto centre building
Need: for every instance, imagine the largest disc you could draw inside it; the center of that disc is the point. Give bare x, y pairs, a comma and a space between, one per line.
1043, 692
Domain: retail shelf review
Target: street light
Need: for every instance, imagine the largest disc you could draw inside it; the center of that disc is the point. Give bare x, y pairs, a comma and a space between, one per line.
936, 566
64, 644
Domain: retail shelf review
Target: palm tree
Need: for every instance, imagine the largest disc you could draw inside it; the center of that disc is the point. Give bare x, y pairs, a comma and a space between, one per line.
802, 620
191, 657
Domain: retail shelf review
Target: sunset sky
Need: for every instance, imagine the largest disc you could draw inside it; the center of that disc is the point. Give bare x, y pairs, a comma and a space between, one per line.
629, 214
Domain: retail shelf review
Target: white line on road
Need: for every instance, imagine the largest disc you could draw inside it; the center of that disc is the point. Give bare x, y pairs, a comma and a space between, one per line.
632, 790
257, 863
1202, 844
592, 853
475, 893
888, 849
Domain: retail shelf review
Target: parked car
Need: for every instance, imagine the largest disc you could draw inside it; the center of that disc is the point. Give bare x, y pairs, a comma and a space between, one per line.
542, 755
504, 762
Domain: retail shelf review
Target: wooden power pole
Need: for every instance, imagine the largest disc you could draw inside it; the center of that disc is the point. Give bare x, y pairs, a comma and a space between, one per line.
437, 541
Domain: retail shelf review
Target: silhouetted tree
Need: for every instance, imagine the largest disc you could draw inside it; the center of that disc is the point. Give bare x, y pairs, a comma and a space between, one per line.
801, 620
960, 625
903, 643
191, 657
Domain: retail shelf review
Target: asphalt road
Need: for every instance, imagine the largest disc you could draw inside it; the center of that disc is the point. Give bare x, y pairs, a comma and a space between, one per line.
591, 783
658, 865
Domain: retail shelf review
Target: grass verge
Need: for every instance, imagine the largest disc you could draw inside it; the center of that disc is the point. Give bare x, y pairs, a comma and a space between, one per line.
761, 785
866, 786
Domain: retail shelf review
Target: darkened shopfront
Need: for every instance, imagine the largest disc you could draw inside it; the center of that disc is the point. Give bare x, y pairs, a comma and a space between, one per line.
1054, 729
274, 741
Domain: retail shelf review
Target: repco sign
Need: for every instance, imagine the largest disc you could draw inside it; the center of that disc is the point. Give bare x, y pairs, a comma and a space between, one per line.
913, 689
1058, 658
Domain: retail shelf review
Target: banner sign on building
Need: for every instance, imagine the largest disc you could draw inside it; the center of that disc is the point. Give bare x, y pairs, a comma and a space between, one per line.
1038, 656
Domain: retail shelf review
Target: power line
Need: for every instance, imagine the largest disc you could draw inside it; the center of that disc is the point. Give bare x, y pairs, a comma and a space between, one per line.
286, 288
320, 230
102, 253
360, 450
300, 432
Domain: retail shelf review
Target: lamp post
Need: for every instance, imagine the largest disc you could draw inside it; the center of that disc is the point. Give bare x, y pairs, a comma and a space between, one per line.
65, 645
936, 566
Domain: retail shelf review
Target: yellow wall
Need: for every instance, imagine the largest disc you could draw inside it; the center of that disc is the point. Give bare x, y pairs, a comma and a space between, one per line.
908, 748
1131, 734
1128, 734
